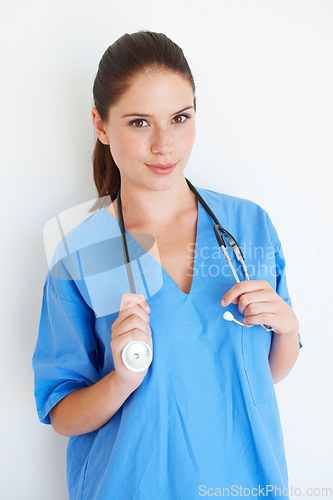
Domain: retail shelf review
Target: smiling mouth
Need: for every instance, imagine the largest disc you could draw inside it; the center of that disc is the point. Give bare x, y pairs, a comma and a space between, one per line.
160, 165
161, 169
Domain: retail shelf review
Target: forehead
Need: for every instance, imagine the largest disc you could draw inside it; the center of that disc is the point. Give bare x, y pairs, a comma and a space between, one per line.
157, 88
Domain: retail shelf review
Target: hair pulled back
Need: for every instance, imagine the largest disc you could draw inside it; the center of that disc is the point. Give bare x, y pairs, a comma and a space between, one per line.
123, 60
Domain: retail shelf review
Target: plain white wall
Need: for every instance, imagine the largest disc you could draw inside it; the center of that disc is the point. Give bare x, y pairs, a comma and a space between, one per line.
263, 71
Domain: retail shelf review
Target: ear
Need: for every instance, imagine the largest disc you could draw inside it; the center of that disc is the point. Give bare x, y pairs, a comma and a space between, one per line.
99, 127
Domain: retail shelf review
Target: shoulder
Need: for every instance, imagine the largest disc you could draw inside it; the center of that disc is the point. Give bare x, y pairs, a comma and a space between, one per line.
66, 240
230, 204
77, 253
242, 217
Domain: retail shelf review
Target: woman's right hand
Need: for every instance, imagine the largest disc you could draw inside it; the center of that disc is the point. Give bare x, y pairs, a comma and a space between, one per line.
132, 324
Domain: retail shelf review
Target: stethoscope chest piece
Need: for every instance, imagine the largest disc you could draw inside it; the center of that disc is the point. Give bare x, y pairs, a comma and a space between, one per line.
137, 356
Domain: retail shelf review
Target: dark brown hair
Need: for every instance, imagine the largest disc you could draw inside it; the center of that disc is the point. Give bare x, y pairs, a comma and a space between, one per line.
121, 62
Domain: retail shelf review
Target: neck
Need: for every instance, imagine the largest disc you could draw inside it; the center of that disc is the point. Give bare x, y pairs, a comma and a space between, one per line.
149, 207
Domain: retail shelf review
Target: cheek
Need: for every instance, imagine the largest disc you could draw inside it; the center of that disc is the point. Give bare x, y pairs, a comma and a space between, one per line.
127, 145
188, 138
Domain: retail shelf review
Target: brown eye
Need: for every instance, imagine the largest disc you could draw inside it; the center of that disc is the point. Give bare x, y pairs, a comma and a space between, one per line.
181, 116
135, 122
139, 123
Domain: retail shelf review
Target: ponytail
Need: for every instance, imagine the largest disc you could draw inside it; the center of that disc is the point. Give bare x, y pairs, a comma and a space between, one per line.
106, 175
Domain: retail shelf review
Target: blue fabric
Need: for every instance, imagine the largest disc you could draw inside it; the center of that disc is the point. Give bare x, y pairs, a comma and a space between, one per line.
206, 414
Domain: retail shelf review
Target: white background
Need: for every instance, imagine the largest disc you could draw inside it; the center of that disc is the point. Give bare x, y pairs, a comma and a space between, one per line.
264, 78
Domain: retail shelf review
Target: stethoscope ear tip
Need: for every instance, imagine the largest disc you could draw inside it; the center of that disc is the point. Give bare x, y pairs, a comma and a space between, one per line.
229, 317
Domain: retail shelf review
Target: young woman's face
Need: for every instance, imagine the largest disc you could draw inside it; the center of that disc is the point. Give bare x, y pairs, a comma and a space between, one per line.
138, 141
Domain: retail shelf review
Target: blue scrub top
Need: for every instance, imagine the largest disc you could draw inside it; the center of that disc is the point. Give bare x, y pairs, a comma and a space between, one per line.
206, 416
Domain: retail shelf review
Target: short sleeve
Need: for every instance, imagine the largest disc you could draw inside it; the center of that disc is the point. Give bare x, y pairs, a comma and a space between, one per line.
280, 267
65, 356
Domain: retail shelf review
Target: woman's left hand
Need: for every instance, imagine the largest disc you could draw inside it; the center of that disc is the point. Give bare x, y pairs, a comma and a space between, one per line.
261, 305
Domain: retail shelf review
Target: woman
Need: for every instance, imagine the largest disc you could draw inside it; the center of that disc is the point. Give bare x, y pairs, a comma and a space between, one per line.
203, 416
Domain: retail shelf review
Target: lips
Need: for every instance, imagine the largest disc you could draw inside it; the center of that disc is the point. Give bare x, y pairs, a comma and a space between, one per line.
161, 165
162, 168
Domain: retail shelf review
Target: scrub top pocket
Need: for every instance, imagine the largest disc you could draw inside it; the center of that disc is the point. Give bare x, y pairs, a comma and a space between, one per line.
255, 349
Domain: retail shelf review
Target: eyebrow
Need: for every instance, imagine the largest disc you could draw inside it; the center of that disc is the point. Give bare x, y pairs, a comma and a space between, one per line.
150, 116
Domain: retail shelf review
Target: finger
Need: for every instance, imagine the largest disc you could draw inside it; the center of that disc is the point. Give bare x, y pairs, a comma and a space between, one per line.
232, 296
129, 299
268, 319
132, 323
119, 342
133, 311
132, 298
246, 299
256, 308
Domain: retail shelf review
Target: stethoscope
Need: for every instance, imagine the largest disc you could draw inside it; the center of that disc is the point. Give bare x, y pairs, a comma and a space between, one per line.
137, 355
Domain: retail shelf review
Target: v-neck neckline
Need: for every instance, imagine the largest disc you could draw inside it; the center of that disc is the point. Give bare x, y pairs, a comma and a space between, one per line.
194, 271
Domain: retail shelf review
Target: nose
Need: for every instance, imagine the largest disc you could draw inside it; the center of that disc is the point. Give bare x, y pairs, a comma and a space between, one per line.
161, 142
